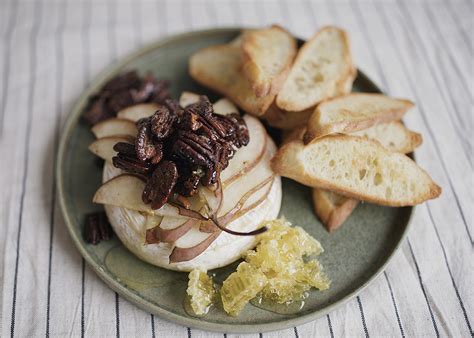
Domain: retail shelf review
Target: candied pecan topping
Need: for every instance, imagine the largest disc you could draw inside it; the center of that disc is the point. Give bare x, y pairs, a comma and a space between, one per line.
190, 121
123, 91
144, 146
162, 123
119, 101
177, 149
122, 81
97, 111
127, 160
160, 184
125, 148
97, 228
241, 131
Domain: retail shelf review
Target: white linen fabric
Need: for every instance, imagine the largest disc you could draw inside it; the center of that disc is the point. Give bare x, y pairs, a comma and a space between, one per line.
51, 49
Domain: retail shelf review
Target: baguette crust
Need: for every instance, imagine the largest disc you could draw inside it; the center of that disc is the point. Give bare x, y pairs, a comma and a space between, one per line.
332, 213
273, 46
286, 120
333, 209
354, 112
218, 67
380, 180
393, 135
309, 81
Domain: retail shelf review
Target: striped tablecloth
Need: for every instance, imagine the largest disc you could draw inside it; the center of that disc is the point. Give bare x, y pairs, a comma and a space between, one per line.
50, 50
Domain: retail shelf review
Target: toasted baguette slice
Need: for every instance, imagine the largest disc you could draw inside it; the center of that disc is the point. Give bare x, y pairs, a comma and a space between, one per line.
218, 67
393, 135
334, 209
267, 55
356, 167
345, 86
321, 67
331, 208
353, 112
293, 135
286, 120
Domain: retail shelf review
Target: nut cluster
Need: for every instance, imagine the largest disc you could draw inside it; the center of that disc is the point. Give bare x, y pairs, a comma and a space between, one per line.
177, 149
97, 228
123, 91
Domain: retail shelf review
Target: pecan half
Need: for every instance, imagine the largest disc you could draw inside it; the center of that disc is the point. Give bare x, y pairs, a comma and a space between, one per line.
162, 123
160, 185
144, 146
97, 228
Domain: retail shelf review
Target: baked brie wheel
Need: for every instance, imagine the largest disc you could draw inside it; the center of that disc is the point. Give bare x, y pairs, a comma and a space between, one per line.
130, 228
251, 194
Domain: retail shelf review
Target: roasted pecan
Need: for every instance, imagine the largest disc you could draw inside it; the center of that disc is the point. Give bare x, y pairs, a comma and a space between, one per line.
123, 81
161, 92
125, 148
131, 165
162, 123
172, 105
195, 140
120, 100
160, 184
97, 228
144, 146
185, 152
241, 131
145, 90
97, 111
126, 90
190, 121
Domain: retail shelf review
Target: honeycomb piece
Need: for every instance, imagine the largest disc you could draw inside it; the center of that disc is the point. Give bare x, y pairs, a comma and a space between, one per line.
200, 291
240, 287
280, 255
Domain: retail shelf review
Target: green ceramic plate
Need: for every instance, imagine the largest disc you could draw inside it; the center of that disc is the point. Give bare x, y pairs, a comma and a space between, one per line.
354, 255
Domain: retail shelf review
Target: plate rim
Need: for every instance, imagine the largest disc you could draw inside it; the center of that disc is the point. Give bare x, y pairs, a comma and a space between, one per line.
197, 323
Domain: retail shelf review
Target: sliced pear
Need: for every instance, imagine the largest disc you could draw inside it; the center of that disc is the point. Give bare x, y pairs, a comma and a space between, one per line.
213, 199
173, 228
196, 240
152, 222
125, 191
224, 107
188, 98
138, 111
192, 245
247, 202
251, 200
104, 147
245, 192
247, 157
234, 192
236, 196
114, 127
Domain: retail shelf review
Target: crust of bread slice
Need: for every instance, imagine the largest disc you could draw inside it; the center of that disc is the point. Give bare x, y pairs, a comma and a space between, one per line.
358, 168
393, 135
353, 112
320, 71
218, 67
286, 120
331, 208
345, 85
267, 55
293, 135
